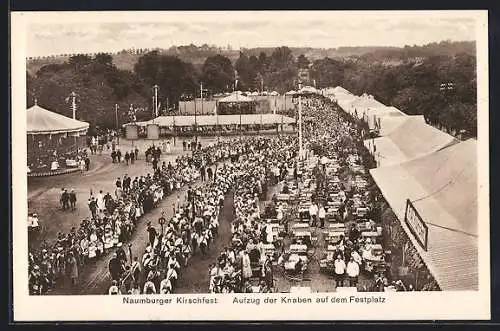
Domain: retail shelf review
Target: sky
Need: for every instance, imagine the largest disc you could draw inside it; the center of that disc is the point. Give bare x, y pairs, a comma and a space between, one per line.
74, 32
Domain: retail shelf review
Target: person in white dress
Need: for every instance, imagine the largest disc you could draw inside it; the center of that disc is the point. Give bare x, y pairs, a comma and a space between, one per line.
169, 147
101, 205
246, 266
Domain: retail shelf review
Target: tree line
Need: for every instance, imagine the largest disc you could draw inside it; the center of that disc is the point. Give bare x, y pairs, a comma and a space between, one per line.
442, 88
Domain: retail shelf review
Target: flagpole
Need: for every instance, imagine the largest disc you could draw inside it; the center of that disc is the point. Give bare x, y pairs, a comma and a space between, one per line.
217, 128
174, 133
73, 104
300, 125
201, 96
195, 123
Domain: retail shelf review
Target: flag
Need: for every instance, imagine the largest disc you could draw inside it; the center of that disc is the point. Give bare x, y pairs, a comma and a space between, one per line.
66, 100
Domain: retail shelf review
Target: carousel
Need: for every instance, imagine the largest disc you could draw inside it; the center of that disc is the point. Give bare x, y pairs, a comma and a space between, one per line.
54, 142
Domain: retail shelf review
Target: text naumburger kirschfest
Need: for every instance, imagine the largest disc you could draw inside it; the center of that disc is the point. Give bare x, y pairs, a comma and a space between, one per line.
255, 300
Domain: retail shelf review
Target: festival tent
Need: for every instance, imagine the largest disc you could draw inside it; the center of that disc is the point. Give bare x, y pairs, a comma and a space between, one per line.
43, 121
442, 187
344, 100
340, 89
358, 107
412, 139
210, 120
373, 116
388, 124
329, 91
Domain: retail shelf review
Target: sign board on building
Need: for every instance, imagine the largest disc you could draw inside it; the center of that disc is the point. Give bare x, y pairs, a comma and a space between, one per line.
416, 225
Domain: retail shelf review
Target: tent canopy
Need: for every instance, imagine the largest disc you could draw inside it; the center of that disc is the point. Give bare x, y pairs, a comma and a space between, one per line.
274, 93
340, 89
412, 139
236, 97
372, 115
213, 120
292, 92
364, 103
443, 189
389, 124
43, 121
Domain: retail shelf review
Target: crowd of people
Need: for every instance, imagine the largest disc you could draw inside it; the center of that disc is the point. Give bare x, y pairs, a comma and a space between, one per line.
246, 167
113, 217
246, 257
194, 226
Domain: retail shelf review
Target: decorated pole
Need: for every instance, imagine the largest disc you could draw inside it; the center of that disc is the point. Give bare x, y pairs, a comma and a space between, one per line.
117, 125
73, 104
156, 100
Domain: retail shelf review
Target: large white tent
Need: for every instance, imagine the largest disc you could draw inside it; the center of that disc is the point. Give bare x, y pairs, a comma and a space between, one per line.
412, 139
214, 120
373, 116
359, 106
442, 187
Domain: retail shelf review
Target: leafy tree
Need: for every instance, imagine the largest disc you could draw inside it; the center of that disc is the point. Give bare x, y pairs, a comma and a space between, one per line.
281, 58
264, 63
218, 73
173, 76
303, 62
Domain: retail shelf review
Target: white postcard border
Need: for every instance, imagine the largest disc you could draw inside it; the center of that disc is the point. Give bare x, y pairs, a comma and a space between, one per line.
399, 306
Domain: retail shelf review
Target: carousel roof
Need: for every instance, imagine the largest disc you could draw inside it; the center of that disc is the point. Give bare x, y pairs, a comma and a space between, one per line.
43, 121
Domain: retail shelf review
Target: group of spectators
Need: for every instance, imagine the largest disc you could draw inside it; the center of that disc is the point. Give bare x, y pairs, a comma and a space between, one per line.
245, 166
333, 135
246, 258
194, 226
113, 218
